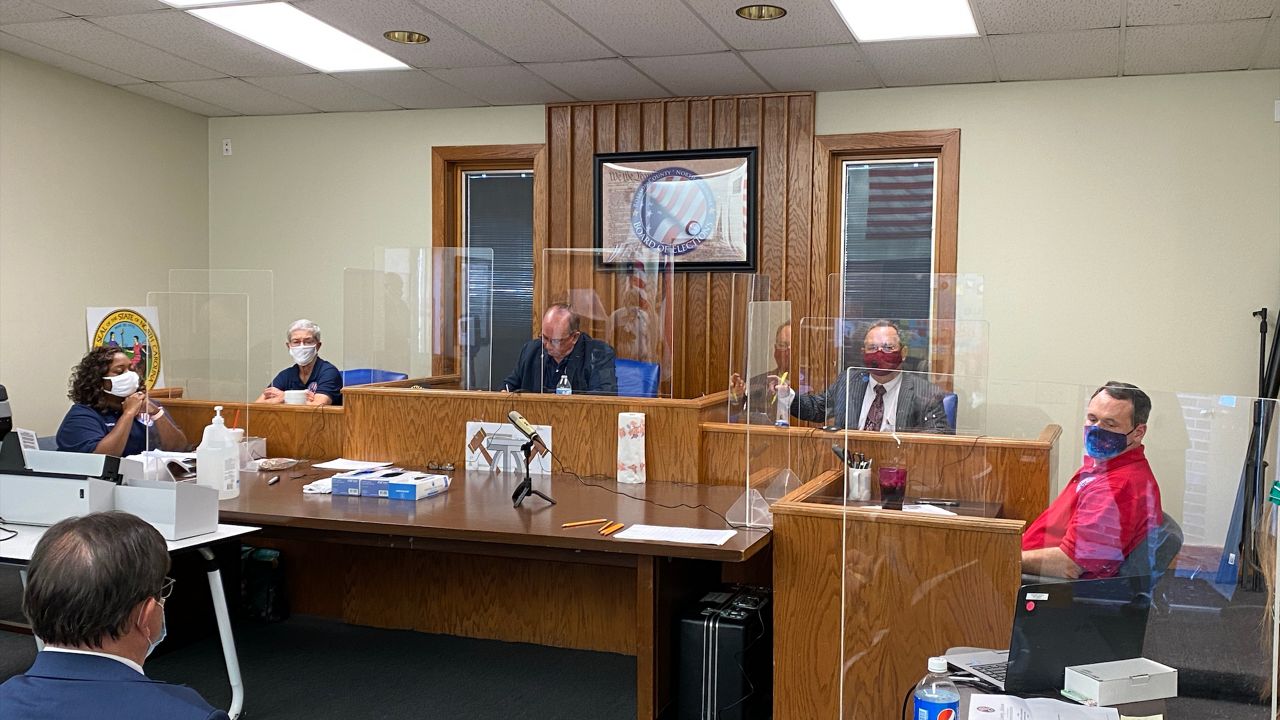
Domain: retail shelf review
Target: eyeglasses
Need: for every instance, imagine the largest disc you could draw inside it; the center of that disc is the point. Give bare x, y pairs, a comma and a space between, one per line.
556, 342
782, 346
887, 347
166, 589
300, 343
440, 467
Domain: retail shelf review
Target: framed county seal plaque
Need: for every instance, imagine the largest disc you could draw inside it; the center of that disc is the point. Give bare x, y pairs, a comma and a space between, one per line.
694, 208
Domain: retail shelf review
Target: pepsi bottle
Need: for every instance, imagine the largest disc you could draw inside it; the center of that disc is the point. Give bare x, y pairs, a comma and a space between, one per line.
936, 697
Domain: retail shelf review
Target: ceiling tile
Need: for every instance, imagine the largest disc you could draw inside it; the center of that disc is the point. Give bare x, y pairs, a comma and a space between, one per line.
1032, 16
1057, 56
240, 96
931, 62
410, 89
87, 41
57, 59
1269, 56
832, 67
648, 29
525, 31
503, 85
1162, 49
1172, 12
104, 7
721, 73
610, 79
367, 21
177, 99
16, 11
323, 93
191, 38
807, 23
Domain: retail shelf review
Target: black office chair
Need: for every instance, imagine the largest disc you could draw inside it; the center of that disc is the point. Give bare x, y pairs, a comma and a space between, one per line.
1152, 558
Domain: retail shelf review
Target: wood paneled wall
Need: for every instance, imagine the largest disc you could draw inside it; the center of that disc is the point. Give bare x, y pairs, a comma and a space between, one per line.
780, 125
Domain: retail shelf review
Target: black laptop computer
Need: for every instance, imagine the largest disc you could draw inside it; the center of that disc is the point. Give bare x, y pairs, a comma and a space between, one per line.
1060, 624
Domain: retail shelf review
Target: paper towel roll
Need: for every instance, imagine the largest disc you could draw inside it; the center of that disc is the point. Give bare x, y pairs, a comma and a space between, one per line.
631, 466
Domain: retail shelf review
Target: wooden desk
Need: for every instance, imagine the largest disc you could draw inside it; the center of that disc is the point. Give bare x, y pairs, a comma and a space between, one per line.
1015, 473
418, 426
896, 586
295, 431
493, 571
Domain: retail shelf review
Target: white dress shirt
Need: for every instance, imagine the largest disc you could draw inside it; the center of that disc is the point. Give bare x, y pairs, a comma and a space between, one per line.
891, 389
77, 651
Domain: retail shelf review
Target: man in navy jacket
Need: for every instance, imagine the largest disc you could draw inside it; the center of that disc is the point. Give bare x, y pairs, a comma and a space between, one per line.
564, 350
95, 594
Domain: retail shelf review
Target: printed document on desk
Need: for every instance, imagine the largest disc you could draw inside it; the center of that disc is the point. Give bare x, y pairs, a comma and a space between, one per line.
1008, 707
664, 533
345, 464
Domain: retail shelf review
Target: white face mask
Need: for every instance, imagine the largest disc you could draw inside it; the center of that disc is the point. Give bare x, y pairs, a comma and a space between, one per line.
124, 384
303, 354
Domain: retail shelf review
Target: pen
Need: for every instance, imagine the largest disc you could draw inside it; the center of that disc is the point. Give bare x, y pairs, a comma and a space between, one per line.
940, 503
610, 529
580, 523
275, 479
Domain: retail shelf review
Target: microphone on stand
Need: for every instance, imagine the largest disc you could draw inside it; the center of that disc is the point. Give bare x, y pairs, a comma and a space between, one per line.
525, 428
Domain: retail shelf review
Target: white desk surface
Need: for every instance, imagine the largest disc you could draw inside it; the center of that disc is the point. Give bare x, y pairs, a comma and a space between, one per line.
21, 547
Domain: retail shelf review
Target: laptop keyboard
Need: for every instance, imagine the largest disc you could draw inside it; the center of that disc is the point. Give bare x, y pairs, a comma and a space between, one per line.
994, 671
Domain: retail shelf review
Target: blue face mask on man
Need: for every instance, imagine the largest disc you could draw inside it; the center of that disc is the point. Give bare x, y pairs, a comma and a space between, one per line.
1103, 444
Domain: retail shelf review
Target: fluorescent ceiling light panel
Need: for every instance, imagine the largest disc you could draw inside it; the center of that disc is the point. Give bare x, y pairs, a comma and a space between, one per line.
194, 3
295, 34
879, 20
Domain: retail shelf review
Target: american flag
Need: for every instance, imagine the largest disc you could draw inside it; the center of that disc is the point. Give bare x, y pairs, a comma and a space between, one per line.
674, 207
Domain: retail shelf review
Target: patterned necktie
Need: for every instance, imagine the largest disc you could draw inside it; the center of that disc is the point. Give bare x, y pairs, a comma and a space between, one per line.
875, 416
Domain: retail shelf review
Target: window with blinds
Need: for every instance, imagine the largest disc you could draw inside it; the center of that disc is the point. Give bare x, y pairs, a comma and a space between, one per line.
497, 213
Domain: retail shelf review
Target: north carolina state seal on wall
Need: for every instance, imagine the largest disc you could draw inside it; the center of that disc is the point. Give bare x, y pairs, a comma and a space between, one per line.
134, 335
673, 211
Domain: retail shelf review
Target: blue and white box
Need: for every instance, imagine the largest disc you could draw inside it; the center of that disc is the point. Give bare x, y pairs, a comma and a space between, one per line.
416, 486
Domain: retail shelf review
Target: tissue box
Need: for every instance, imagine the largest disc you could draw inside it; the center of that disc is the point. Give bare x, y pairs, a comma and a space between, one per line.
346, 485
416, 486
1121, 681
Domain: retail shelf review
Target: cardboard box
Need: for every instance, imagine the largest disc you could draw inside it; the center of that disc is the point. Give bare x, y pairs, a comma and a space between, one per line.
1121, 681
345, 485
416, 486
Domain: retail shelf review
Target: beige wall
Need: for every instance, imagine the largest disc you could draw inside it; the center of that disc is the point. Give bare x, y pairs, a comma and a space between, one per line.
1125, 228
101, 192
307, 196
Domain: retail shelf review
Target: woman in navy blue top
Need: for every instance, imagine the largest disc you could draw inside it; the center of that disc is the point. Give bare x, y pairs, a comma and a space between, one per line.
111, 415
319, 377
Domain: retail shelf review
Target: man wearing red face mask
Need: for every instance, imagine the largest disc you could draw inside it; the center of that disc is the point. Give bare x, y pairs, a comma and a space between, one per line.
1112, 502
881, 398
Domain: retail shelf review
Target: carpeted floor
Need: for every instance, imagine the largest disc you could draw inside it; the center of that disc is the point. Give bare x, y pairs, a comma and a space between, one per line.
311, 668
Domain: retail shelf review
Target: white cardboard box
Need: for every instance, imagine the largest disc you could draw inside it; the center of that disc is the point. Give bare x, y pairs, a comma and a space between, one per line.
1121, 681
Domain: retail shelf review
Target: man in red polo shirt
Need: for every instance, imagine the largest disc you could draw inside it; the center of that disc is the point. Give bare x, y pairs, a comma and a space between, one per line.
1112, 501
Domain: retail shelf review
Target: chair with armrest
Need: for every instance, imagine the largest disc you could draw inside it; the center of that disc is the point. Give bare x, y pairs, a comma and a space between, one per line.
1145, 565
949, 402
637, 378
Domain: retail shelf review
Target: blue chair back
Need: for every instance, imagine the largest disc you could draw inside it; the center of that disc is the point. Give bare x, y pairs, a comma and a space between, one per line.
637, 378
949, 407
366, 376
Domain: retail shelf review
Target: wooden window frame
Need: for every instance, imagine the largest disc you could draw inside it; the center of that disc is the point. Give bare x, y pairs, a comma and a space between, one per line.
448, 163
830, 154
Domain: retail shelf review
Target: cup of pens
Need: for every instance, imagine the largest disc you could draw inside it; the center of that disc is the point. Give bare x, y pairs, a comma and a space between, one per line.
857, 484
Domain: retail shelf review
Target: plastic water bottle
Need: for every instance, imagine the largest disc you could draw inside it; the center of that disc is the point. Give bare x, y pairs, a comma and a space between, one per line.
563, 387
936, 697
218, 458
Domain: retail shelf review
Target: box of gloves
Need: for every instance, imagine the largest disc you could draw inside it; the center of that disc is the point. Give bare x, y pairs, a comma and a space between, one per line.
416, 486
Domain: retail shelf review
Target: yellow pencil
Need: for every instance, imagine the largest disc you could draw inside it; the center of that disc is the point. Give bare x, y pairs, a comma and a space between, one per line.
580, 523
781, 380
611, 528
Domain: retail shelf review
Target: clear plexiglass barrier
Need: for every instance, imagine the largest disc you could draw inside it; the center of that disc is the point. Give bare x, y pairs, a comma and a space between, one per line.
202, 353
425, 312
267, 352
617, 339
744, 291
938, 295
1135, 526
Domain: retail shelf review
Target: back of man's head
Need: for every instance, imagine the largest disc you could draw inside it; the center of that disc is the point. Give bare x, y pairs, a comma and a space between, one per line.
87, 575
1130, 392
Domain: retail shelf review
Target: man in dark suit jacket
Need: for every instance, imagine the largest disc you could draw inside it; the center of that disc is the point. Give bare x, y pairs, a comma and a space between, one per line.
882, 397
564, 350
95, 594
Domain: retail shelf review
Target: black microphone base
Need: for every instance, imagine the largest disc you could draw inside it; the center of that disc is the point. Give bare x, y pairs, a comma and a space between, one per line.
524, 490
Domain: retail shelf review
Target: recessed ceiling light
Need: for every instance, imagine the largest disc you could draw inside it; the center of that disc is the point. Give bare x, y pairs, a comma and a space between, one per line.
761, 12
876, 20
293, 33
408, 37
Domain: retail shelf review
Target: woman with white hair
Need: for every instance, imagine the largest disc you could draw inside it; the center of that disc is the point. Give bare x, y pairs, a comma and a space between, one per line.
319, 377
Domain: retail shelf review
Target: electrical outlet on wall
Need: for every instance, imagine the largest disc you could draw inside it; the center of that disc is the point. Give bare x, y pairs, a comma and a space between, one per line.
226, 146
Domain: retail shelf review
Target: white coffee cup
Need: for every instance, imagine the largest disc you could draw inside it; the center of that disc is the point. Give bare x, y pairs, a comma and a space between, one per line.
295, 397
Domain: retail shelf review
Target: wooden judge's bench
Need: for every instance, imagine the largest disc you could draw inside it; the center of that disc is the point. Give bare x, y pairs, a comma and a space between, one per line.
900, 586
